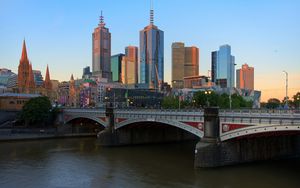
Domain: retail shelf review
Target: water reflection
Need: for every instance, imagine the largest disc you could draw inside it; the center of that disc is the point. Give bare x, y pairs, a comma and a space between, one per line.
83, 163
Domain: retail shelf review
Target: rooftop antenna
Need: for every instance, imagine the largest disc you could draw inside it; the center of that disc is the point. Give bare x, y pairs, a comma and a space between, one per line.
151, 12
102, 24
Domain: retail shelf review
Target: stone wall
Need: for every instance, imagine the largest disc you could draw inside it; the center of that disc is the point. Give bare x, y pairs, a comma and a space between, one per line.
213, 154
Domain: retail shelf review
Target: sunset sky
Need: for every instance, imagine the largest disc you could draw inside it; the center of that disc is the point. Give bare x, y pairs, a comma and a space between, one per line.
265, 34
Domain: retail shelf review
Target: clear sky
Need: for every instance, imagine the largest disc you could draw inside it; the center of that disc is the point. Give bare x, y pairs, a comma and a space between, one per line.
263, 33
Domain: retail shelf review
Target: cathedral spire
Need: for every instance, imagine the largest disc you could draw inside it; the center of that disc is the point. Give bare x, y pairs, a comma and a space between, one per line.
47, 82
24, 51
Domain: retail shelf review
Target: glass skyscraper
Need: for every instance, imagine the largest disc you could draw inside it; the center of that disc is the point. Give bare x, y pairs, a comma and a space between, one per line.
102, 51
223, 67
151, 56
116, 61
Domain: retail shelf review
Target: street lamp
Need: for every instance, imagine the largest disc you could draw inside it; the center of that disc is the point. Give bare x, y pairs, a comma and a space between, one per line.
286, 89
207, 93
298, 100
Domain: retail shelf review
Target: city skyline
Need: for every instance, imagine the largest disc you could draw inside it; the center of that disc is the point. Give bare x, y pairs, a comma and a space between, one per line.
265, 37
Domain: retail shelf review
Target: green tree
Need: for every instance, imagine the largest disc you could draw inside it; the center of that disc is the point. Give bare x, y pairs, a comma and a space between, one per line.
170, 102
273, 103
37, 111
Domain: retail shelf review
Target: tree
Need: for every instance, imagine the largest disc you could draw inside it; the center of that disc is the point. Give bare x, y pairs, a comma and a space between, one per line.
273, 103
36, 111
170, 102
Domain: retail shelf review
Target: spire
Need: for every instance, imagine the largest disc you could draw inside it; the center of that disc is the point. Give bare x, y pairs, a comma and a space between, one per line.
47, 82
72, 78
151, 13
101, 24
24, 52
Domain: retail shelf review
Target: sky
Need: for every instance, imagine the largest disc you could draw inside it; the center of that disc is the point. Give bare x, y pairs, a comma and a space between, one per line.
264, 34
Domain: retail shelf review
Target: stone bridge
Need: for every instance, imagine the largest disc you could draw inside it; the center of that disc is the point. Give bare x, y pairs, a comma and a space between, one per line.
225, 136
232, 123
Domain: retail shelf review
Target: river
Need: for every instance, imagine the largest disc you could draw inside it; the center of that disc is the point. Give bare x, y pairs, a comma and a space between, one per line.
81, 162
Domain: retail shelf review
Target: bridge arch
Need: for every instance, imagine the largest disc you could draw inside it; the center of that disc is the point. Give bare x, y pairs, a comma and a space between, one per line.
99, 121
260, 130
180, 125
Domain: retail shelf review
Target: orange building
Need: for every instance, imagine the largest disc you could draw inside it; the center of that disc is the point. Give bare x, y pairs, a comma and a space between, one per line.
25, 76
245, 77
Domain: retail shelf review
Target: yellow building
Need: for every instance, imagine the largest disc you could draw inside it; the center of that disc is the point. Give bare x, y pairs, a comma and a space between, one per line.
15, 101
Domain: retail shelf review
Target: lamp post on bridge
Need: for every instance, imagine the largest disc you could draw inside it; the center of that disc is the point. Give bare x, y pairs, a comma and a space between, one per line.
286, 89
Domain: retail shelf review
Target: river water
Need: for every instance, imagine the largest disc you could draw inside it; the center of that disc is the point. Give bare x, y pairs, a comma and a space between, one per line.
81, 162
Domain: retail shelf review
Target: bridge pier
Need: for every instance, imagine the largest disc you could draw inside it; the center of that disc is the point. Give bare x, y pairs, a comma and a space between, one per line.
211, 152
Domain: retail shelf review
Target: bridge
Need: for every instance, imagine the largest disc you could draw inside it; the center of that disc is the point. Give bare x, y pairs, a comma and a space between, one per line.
213, 127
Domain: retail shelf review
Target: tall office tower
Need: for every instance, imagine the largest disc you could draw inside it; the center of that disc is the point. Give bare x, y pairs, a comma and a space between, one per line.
25, 75
47, 82
86, 72
128, 73
225, 67
116, 66
245, 77
185, 63
151, 55
102, 51
131, 52
191, 61
214, 57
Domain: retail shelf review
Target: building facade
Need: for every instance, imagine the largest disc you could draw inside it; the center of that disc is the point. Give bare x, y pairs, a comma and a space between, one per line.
86, 72
131, 52
185, 63
116, 61
101, 51
128, 73
38, 78
245, 77
224, 67
151, 56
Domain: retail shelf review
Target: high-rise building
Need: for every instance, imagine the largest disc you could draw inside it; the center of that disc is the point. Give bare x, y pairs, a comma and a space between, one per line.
214, 57
128, 74
185, 63
38, 78
245, 77
151, 56
102, 51
223, 67
131, 52
116, 61
86, 73
25, 76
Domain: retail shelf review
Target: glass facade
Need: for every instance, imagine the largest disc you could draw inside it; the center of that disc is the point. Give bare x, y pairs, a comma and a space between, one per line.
116, 67
151, 57
225, 66
38, 78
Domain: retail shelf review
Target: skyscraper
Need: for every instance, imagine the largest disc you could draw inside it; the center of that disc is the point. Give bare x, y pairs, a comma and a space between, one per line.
223, 67
151, 55
102, 51
25, 76
128, 73
214, 57
116, 61
245, 77
131, 52
185, 63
